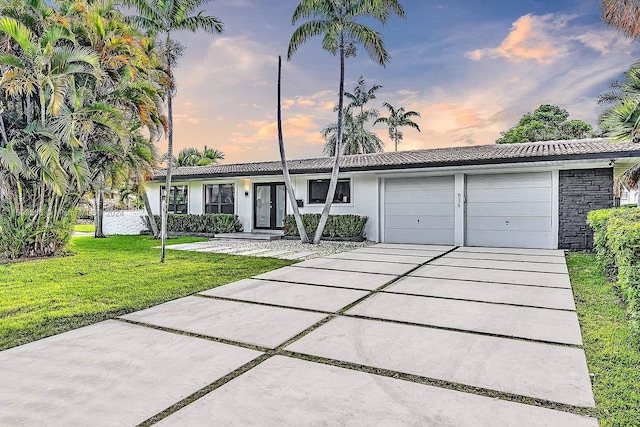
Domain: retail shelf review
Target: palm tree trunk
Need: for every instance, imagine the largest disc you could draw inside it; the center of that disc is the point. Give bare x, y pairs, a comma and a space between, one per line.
167, 189
336, 162
285, 169
152, 220
5, 140
99, 208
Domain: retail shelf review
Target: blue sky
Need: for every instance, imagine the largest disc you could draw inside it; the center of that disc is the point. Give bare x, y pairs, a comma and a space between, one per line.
471, 68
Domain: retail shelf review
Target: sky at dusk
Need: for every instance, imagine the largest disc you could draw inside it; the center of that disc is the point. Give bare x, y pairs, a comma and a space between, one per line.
471, 68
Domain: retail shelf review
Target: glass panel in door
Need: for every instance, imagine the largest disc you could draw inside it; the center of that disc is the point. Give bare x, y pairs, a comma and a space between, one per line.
263, 206
281, 204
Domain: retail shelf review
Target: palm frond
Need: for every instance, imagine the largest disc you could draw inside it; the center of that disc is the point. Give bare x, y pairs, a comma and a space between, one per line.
304, 33
19, 32
370, 39
200, 22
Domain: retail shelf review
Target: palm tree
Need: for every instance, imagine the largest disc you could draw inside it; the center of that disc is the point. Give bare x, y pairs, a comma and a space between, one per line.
165, 17
356, 138
336, 22
361, 94
398, 118
195, 157
621, 120
623, 14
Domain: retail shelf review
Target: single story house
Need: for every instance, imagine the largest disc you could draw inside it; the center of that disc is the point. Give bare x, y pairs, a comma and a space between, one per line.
533, 195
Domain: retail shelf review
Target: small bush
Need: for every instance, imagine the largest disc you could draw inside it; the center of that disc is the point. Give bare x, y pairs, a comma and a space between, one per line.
338, 226
207, 223
617, 240
24, 234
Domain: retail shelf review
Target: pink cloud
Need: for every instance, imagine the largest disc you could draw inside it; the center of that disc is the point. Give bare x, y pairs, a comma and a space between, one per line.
531, 38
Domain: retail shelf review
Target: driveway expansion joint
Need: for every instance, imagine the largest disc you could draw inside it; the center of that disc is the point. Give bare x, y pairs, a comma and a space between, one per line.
478, 301
449, 385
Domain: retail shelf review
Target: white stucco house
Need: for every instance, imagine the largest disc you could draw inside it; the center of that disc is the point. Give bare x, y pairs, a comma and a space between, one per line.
532, 195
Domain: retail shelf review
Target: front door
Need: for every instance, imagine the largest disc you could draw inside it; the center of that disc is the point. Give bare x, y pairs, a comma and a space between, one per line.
269, 206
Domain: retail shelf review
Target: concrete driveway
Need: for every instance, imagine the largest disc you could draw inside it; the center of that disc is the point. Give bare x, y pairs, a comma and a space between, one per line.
386, 335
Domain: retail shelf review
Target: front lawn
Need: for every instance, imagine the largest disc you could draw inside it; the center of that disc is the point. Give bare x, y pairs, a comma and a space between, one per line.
84, 228
107, 278
613, 352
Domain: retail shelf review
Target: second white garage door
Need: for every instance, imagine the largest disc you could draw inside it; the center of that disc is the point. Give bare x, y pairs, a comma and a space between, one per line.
419, 210
510, 210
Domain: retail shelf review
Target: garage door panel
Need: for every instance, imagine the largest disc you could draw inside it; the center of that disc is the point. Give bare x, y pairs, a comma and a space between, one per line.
431, 209
419, 210
523, 239
509, 181
426, 196
531, 195
422, 236
419, 184
504, 223
417, 222
513, 208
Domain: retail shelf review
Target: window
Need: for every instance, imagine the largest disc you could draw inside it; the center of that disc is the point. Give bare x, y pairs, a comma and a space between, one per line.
178, 197
318, 191
219, 198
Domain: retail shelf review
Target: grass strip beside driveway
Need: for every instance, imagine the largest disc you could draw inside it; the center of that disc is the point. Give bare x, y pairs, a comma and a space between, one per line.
613, 352
106, 278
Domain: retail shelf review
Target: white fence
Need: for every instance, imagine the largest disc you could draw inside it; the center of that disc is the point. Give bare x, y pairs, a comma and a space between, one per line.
123, 222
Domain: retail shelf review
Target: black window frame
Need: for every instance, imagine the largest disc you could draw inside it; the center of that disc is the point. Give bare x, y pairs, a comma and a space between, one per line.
336, 199
173, 196
219, 205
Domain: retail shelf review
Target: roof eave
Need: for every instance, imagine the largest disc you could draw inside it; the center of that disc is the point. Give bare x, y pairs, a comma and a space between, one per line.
421, 165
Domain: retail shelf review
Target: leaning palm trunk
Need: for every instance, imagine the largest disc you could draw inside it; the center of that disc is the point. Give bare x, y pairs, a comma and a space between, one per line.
336, 162
152, 221
285, 169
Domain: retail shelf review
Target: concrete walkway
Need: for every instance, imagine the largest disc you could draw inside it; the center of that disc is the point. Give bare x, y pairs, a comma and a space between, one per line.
387, 335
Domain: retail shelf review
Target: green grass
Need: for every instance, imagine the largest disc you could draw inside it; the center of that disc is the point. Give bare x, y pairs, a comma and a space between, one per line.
613, 351
104, 279
84, 228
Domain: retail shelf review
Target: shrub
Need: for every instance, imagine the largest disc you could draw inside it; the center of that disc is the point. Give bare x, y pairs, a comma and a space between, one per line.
207, 223
598, 221
338, 226
25, 234
617, 240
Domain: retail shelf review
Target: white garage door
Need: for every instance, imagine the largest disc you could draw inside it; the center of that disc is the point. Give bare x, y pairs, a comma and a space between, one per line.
419, 210
509, 210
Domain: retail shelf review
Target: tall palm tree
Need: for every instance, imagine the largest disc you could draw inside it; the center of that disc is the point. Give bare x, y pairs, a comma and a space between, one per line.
336, 21
398, 118
623, 14
166, 17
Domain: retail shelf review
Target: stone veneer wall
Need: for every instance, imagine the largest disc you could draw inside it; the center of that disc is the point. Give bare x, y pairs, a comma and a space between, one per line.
581, 191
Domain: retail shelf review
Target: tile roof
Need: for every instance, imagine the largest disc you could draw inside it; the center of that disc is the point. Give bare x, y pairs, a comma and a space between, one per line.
600, 148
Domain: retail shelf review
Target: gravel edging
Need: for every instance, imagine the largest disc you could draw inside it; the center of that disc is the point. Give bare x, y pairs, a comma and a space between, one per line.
324, 248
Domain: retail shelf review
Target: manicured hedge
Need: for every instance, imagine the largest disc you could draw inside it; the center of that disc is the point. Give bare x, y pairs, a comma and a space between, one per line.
338, 226
617, 242
207, 223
